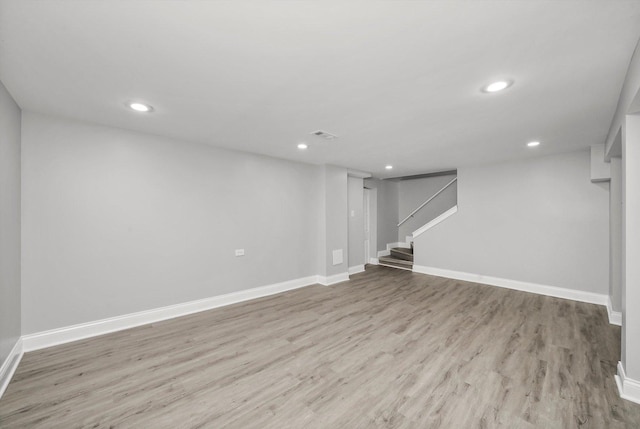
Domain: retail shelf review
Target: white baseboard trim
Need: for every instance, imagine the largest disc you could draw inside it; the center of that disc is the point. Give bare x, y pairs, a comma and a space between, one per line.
356, 269
331, 280
628, 388
9, 365
382, 253
373, 261
435, 221
81, 331
615, 317
558, 292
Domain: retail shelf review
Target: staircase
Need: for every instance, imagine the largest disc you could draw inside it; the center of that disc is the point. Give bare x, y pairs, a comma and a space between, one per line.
400, 257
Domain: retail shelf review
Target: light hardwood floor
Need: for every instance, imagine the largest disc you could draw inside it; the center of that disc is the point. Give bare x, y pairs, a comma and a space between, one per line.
389, 348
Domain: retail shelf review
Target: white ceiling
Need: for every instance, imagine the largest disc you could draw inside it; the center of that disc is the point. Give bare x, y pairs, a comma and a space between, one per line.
398, 82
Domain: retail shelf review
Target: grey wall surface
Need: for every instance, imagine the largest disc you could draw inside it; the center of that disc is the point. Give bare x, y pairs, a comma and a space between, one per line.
116, 222
615, 235
386, 212
356, 221
336, 226
412, 193
539, 220
9, 223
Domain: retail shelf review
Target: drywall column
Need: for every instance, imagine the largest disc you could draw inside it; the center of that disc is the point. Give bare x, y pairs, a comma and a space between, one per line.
373, 226
630, 371
334, 250
615, 235
355, 195
10, 311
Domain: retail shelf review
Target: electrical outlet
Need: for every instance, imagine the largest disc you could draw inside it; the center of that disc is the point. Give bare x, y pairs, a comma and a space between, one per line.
239, 252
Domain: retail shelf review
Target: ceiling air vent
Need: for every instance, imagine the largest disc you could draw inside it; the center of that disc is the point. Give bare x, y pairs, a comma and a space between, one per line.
325, 135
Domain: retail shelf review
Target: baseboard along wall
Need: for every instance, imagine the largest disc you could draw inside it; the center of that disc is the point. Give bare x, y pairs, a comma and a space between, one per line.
615, 317
9, 366
628, 388
356, 269
67, 334
81, 331
575, 295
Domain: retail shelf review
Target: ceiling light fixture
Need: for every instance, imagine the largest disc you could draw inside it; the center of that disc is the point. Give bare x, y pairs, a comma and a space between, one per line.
388, 167
140, 107
302, 146
497, 86
533, 144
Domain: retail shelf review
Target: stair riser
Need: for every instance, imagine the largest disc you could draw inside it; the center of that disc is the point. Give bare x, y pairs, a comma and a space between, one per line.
401, 255
392, 265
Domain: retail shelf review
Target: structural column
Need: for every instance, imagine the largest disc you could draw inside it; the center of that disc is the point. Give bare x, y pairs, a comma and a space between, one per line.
629, 367
333, 230
615, 240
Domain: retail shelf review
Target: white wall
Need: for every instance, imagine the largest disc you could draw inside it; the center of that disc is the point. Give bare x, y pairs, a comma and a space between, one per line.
9, 223
539, 220
116, 222
386, 211
356, 221
413, 192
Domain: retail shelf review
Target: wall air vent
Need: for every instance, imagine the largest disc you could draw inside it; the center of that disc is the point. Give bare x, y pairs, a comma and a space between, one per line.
325, 135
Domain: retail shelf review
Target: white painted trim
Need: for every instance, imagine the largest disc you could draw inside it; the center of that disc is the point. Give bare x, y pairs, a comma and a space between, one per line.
356, 269
373, 261
435, 221
331, 280
615, 317
558, 292
628, 388
9, 366
383, 253
81, 331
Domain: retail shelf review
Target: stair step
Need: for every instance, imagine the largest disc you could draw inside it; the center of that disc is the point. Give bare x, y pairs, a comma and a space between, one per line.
402, 253
395, 263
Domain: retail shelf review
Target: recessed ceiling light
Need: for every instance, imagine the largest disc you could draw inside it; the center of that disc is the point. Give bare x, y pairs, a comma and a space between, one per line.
497, 86
140, 107
533, 144
388, 167
302, 146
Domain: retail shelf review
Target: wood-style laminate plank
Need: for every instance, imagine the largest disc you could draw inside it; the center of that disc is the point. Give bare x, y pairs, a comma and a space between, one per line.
388, 349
